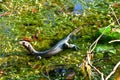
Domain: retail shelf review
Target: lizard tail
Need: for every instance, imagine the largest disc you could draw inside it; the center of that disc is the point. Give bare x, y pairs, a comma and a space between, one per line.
76, 30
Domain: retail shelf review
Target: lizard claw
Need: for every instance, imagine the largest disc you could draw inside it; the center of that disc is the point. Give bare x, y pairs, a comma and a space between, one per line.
75, 47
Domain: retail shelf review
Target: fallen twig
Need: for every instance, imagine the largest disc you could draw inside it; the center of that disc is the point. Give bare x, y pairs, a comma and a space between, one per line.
114, 41
113, 71
102, 75
93, 45
114, 15
89, 56
5, 14
87, 61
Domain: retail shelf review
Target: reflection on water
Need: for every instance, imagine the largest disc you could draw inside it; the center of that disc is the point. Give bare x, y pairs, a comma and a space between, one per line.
78, 9
79, 6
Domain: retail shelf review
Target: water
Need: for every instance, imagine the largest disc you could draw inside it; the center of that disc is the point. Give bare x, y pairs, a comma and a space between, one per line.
79, 6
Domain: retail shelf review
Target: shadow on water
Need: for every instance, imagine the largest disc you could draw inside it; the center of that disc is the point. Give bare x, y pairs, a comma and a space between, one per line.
61, 72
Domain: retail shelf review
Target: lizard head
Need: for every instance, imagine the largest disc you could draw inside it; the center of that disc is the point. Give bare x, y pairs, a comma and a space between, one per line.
25, 44
28, 46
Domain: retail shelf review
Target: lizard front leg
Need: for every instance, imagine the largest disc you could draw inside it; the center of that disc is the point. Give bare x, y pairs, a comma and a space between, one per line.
73, 46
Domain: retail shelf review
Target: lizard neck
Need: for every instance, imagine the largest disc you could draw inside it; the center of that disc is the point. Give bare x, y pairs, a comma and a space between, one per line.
31, 49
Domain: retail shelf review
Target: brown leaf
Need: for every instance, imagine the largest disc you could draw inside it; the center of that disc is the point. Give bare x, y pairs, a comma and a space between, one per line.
27, 39
115, 5
34, 10
1, 72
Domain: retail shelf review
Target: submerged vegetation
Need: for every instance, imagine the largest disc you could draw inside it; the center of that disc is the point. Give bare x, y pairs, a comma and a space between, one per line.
45, 22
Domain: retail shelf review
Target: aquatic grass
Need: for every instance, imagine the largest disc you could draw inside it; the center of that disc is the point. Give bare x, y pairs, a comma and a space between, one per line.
55, 20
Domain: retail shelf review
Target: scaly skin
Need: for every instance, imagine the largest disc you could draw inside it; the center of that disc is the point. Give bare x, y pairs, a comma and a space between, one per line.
54, 50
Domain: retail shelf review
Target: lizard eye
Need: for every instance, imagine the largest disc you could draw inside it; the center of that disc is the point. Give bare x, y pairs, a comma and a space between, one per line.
23, 43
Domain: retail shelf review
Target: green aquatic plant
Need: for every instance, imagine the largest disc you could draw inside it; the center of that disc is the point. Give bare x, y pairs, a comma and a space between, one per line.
20, 19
